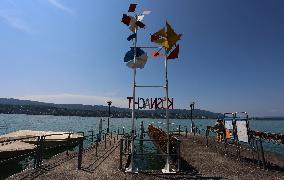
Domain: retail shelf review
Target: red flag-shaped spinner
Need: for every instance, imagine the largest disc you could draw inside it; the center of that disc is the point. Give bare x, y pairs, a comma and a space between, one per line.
174, 53
132, 7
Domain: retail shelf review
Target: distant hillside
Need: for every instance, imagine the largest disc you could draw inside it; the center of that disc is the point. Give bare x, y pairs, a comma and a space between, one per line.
16, 106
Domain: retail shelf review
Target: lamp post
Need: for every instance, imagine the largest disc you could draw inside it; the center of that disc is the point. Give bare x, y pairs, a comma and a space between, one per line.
191, 109
109, 104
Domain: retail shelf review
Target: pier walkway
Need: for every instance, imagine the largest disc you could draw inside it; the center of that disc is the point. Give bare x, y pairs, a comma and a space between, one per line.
207, 161
199, 162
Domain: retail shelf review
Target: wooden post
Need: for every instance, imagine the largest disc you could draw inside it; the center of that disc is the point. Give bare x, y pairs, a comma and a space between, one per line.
80, 153
178, 129
185, 131
120, 154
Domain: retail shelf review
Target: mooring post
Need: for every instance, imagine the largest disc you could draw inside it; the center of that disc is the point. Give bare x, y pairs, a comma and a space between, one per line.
109, 141
206, 135
120, 154
80, 154
92, 134
97, 144
123, 130
257, 149
262, 153
68, 141
37, 155
178, 153
117, 130
111, 134
41, 150
252, 149
179, 129
105, 141
186, 131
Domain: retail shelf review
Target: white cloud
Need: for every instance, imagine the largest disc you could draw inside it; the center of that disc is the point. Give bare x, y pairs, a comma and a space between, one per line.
14, 22
60, 6
77, 99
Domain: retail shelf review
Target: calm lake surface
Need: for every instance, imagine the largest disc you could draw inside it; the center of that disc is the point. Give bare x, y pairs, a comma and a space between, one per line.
14, 122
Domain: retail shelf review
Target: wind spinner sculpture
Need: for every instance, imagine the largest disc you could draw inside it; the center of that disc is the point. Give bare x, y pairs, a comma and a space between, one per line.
137, 58
167, 38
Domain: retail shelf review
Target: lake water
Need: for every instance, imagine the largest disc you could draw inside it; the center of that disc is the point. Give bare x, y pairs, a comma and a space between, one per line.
14, 122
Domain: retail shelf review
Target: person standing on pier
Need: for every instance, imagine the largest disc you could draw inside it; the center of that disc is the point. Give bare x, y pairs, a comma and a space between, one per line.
219, 129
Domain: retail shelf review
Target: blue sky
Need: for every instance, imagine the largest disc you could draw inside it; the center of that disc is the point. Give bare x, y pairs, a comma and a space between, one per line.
71, 51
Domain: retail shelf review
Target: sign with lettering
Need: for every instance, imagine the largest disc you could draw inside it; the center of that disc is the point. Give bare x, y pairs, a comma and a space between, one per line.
152, 103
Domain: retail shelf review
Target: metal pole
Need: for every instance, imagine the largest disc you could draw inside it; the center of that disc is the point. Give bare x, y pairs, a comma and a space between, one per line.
167, 166
192, 124
178, 152
108, 125
131, 165
109, 104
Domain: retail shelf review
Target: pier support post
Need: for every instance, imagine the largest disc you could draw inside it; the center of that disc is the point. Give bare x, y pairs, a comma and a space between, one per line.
186, 132
80, 153
178, 129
